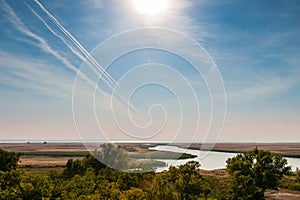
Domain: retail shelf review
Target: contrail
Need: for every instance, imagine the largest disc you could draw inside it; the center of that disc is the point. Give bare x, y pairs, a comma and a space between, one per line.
75, 51
111, 82
77, 44
13, 17
54, 33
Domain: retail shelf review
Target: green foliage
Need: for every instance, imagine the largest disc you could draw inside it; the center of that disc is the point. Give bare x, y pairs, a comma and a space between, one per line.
251, 172
243, 187
112, 156
294, 186
127, 180
79, 186
189, 180
111, 191
91, 162
9, 160
297, 175
291, 182
183, 182
79, 167
134, 194
10, 175
72, 168
9, 184
36, 186
107, 155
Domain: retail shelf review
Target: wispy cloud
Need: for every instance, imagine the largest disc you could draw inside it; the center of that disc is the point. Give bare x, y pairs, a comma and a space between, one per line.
262, 90
262, 83
40, 41
35, 76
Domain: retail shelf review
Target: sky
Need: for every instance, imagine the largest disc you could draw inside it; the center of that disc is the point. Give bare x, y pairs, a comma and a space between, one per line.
192, 70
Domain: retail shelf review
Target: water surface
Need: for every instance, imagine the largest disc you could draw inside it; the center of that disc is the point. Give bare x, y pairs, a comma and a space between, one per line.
208, 160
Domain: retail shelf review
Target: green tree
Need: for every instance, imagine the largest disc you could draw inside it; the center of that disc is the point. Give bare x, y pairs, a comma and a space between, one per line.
164, 187
91, 162
134, 194
183, 182
36, 186
10, 175
72, 168
252, 172
112, 156
189, 180
9, 160
108, 155
127, 180
243, 187
297, 175
9, 184
110, 191
79, 167
79, 187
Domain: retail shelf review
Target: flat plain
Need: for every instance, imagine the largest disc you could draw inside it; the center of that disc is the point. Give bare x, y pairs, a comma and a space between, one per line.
49, 156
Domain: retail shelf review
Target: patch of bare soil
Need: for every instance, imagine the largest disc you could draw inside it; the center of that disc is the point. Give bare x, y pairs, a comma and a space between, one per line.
219, 173
44, 164
281, 195
45, 161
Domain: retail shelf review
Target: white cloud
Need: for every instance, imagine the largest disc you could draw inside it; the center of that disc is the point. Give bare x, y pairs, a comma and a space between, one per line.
263, 88
35, 76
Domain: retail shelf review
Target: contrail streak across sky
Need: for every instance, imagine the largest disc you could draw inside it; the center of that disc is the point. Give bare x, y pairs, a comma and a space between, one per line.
92, 63
77, 44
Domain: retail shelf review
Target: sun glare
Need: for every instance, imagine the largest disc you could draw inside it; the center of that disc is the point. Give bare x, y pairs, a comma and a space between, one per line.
150, 7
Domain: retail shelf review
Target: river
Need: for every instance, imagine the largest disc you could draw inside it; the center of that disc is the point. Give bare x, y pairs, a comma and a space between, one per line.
208, 160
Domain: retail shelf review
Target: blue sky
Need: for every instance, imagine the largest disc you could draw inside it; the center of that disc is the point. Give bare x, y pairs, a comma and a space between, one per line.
255, 46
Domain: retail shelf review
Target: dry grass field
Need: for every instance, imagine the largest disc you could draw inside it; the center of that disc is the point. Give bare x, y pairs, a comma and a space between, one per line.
46, 157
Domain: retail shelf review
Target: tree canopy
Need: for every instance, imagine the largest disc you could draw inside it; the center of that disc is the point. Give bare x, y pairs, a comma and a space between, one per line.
252, 172
9, 160
112, 156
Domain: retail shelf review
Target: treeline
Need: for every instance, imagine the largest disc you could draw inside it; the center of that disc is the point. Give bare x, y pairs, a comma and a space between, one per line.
249, 175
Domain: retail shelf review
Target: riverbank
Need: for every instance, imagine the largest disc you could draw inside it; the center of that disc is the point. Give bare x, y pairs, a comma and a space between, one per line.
291, 150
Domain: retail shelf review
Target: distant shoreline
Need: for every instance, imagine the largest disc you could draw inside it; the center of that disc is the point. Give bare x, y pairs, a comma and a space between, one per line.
291, 150
3, 141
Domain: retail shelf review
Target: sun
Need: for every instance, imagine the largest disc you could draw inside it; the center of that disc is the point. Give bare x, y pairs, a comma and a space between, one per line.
150, 7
